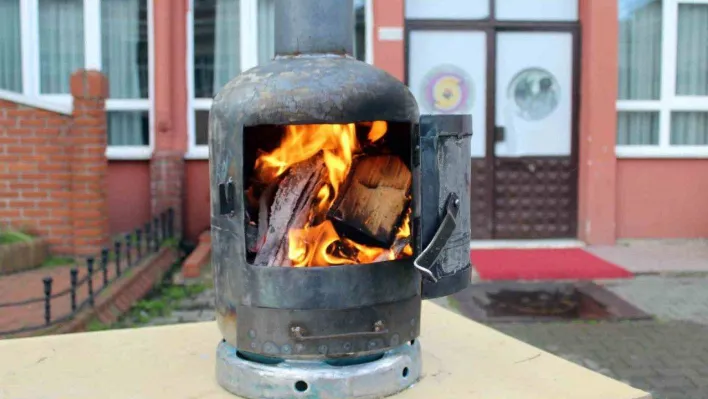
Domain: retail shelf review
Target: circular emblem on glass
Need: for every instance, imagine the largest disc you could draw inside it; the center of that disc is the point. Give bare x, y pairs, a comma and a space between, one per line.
447, 89
535, 93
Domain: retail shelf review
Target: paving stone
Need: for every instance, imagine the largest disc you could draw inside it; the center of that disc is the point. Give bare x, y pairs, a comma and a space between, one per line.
28, 285
667, 358
682, 298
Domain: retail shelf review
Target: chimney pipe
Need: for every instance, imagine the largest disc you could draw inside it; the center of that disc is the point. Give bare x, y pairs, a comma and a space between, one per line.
314, 27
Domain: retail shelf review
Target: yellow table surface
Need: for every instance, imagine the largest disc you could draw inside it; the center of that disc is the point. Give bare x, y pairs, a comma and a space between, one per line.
462, 359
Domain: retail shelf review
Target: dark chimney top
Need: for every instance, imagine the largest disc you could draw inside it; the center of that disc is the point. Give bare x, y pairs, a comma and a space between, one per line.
314, 27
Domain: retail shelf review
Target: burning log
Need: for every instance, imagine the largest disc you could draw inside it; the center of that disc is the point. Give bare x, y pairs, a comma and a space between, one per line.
398, 246
264, 204
291, 209
256, 229
372, 200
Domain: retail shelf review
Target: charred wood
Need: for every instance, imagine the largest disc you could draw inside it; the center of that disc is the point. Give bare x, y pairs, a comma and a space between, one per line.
291, 208
398, 245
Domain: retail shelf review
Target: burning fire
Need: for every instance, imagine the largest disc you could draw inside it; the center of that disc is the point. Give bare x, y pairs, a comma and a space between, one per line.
318, 243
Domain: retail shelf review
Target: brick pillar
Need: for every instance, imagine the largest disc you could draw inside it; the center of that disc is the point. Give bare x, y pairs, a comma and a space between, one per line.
166, 182
89, 166
597, 183
167, 163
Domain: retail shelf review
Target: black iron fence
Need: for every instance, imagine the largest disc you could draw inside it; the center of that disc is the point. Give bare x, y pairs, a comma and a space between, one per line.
121, 256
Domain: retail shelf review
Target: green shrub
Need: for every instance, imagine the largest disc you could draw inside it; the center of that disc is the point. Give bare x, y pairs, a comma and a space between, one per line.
12, 236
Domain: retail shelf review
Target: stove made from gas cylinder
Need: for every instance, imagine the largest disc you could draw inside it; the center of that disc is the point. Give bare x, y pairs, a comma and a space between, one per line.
335, 209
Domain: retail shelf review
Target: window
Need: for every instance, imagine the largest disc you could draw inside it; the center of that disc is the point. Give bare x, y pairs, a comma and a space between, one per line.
42, 42
124, 60
61, 43
662, 99
229, 36
10, 46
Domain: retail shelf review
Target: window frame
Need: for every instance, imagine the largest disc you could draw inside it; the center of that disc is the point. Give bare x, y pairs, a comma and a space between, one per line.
249, 59
668, 101
29, 36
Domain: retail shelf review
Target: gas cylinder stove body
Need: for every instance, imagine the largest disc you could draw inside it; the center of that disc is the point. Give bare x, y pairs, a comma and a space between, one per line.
335, 210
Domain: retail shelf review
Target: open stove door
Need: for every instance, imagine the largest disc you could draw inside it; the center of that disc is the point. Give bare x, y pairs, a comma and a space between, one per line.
443, 160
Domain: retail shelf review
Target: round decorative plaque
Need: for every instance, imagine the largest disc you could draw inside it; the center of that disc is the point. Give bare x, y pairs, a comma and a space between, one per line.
535, 92
447, 89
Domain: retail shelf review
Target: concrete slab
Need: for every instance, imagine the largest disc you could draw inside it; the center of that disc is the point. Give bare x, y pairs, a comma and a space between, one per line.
462, 359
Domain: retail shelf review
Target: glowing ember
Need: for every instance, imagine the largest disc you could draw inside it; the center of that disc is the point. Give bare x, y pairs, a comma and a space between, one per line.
318, 243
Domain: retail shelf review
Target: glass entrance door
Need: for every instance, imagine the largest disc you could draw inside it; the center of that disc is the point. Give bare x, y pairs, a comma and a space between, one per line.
447, 73
519, 86
534, 168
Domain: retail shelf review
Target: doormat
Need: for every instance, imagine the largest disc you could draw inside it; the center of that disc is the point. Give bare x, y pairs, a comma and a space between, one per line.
543, 264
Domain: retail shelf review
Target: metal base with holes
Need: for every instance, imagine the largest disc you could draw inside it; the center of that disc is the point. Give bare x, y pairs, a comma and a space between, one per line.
378, 377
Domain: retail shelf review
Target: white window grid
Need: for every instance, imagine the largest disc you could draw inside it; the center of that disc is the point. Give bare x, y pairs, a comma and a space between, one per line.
668, 101
29, 16
249, 59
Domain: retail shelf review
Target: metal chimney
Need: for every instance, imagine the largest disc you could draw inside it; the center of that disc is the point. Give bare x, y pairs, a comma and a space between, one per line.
314, 27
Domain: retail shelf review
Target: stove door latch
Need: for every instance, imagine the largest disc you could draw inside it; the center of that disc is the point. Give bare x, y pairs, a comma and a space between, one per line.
426, 260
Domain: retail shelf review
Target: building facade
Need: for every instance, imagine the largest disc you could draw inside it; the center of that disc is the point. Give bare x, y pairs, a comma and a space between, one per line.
590, 117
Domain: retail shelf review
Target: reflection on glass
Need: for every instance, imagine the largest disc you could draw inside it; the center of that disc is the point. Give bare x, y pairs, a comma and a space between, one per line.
447, 9
124, 47
128, 128
536, 10
689, 128
637, 128
61, 43
692, 50
217, 55
360, 30
10, 46
639, 49
201, 119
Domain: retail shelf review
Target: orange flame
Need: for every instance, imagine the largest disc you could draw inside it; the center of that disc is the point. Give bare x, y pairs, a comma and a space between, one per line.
378, 129
320, 245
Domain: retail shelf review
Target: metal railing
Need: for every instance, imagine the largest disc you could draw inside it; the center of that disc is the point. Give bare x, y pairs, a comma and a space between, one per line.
122, 255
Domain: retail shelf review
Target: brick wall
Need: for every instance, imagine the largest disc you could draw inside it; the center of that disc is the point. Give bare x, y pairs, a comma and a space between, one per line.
166, 184
52, 168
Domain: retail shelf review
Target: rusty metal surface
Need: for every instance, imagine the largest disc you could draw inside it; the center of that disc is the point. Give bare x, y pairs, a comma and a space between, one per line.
311, 89
321, 287
445, 142
327, 333
535, 198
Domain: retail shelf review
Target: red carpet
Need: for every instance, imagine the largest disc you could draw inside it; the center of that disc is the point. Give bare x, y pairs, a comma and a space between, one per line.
543, 264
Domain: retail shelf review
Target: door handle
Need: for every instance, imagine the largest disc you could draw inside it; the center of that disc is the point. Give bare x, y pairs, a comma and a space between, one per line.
499, 133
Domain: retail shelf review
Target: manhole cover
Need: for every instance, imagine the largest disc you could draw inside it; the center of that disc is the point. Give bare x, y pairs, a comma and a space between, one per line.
519, 302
